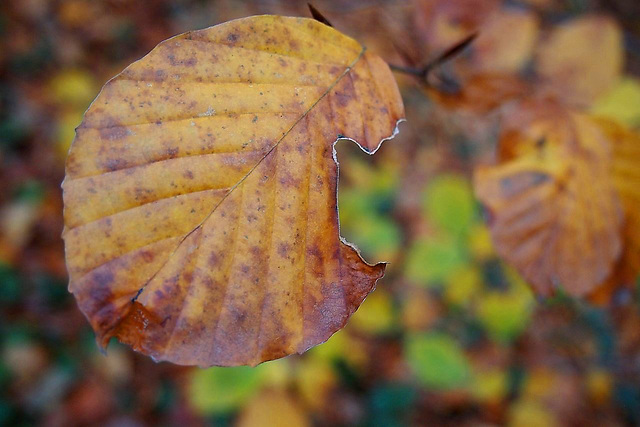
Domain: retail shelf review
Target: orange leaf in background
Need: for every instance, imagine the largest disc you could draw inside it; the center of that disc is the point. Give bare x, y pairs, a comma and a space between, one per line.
554, 211
201, 222
500, 49
582, 59
273, 408
481, 93
625, 172
489, 77
441, 24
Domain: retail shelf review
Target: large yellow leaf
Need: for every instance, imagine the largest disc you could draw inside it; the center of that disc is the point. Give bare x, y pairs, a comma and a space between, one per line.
201, 220
554, 211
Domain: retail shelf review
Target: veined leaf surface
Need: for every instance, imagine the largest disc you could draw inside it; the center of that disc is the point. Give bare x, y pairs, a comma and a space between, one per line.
201, 220
554, 211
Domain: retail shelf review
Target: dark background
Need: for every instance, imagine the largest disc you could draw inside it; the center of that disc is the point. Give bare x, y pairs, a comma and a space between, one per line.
452, 336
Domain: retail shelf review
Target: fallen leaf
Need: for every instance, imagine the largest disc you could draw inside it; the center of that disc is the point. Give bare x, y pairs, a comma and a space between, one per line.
622, 103
376, 315
554, 212
463, 285
482, 93
273, 409
437, 360
494, 51
218, 391
449, 204
489, 385
505, 315
441, 24
529, 413
567, 63
201, 222
625, 172
315, 379
431, 260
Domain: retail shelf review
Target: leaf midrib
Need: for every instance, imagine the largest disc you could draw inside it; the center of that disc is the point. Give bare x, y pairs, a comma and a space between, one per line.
324, 94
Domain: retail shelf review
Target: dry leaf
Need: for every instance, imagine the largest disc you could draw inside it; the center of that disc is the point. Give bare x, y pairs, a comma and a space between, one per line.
273, 408
202, 186
625, 172
501, 49
554, 212
582, 59
482, 93
441, 24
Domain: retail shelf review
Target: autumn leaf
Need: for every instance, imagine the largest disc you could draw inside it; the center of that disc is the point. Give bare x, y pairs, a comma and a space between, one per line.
554, 212
201, 222
273, 408
495, 53
625, 173
567, 64
622, 103
481, 93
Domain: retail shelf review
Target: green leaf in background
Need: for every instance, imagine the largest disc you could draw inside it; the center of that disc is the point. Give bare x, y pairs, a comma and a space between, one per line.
622, 103
375, 235
448, 202
431, 261
437, 360
220, 390
506, 314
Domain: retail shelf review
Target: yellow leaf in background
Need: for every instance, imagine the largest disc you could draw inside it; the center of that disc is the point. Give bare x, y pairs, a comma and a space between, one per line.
365, 177
463, 285
315, 379
529, 413
554, 212
201, 222
376, 314
499, 48
342, 346
273, 409
66, 131
582, 59
489, 385
505, 314
626, 179
76, 87
277, 373
622, 103
480, 244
